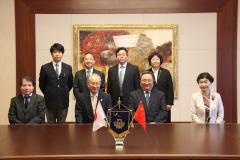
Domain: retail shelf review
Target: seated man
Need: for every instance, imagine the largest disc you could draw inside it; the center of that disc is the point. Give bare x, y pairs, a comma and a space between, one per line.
85, 107
27, 108
154, 101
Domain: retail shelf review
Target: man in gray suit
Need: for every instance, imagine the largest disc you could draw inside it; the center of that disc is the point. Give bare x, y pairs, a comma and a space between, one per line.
28, 107
153, 100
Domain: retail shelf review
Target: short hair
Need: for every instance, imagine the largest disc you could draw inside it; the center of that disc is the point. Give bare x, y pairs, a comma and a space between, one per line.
29, 79
90, 54
121, 48
57, 47
148, 72
93, 75
205, 75
152, 54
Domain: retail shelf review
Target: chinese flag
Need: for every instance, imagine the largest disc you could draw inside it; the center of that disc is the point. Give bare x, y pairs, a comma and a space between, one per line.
140, 116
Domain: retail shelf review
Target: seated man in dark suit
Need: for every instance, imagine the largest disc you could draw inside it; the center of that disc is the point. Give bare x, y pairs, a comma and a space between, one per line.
86, 104
80, 79
154, 101
27, 108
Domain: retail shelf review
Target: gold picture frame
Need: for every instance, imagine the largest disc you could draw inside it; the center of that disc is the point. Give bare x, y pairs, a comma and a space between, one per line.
102, 39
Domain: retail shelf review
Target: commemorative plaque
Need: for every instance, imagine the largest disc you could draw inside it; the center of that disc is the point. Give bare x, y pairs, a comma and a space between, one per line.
120, 120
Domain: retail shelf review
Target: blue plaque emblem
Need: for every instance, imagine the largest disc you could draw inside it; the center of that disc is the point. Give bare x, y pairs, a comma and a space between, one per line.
120, 119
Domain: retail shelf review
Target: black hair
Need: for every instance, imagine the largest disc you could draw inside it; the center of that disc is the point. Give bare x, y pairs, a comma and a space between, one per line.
154, 54
29, 79
121, 48
205, 75
148, 72
57, 47
90, 54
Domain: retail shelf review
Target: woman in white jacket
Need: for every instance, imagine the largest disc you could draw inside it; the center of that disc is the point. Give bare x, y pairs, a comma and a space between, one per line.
207, 106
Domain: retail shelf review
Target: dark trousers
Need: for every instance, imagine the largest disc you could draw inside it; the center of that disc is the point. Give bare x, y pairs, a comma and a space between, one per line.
56, 116
169, 117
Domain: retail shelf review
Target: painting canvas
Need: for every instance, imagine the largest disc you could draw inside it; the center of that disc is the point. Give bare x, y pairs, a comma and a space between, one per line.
102, 41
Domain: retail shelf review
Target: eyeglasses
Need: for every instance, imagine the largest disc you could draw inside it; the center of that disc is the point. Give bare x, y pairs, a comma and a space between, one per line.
146, 80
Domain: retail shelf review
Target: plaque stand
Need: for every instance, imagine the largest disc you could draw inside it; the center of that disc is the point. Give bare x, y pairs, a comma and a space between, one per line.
119, 143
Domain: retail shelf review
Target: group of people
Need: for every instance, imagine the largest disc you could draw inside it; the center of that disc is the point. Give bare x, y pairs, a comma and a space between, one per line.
153, 87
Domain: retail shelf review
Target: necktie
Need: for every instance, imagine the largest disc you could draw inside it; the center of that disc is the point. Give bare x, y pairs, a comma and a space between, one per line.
88, 73
94, 103
147, 97
121, 75
26, 101
57, 69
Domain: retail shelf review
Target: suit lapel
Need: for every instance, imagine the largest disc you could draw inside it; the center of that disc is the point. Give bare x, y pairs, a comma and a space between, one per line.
52, 69
84, 77
63, 71
151, 99
159, 74
89, 104
126, 73
99, 98
94, 71
116, 74
21, 102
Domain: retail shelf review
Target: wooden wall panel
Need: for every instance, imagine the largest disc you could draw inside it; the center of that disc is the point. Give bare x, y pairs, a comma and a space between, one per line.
226, 32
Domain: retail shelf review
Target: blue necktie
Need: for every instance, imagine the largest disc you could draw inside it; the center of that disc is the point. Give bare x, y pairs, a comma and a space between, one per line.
26, 101
147, 97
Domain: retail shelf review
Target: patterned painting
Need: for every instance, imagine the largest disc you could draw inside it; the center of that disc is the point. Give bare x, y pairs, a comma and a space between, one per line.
140, 40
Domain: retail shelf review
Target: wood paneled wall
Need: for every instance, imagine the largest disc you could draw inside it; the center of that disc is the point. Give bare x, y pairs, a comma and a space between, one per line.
226, 10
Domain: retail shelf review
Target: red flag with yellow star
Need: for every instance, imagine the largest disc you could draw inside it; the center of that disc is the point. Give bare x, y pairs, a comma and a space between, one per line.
139, 116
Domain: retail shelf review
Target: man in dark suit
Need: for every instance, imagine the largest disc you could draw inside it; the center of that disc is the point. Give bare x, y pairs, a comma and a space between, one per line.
27, 108
153, 100
122, 78
80, 79
86, 104
55, 82
163, 79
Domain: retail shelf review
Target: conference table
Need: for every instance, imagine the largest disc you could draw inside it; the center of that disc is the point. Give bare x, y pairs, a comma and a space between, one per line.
162, 141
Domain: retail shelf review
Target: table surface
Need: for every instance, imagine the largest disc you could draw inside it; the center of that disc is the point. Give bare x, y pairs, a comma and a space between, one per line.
71, 141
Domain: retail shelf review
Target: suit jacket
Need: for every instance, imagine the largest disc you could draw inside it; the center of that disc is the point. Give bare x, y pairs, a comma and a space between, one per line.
56, 89
216, 108
155, 111
34, 114
165, 84
83, 107
80, 82
131, 82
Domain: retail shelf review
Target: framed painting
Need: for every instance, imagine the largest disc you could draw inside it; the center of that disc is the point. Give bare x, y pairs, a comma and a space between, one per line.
140, 39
